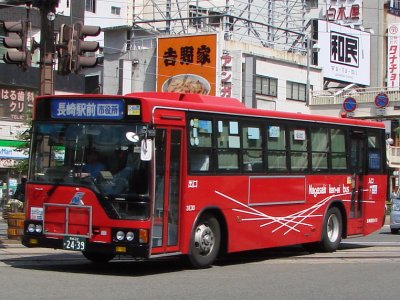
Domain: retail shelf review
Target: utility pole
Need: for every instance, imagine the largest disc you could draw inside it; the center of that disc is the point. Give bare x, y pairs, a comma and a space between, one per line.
47, 47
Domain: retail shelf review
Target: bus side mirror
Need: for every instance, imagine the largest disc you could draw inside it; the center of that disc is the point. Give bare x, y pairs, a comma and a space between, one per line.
146, 149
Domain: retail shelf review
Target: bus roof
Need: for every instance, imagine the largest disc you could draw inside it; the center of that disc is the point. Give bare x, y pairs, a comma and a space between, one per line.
207, 103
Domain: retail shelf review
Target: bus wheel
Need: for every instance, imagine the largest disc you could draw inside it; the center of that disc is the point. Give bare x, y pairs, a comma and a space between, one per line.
205, 242
332, 230
98, 257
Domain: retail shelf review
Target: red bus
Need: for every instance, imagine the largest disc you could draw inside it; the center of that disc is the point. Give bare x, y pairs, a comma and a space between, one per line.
195, 175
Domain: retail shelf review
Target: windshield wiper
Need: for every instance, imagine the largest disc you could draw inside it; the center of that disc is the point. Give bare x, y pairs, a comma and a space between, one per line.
54, 187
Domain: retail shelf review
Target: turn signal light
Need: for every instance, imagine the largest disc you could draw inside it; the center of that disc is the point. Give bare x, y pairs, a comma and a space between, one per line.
143, 236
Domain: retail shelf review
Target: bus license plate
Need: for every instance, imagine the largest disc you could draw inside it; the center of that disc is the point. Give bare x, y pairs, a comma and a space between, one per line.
74, 243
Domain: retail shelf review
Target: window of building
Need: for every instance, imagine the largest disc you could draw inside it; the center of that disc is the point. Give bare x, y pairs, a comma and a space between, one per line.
197, 16
90, 5
395, 4
312, 3
115, 10
266, 86
128, 40
295, 91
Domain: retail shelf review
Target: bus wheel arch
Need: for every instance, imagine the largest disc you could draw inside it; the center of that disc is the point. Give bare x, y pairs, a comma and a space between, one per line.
208, 238
332, 229
325, 244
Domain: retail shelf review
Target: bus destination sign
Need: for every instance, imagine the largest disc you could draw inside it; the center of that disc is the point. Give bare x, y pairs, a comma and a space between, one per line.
87, 109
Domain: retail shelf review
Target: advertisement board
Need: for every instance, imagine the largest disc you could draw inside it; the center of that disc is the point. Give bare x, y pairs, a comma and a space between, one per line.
393, 51
344, 12
15, 102
344, 53
187, 64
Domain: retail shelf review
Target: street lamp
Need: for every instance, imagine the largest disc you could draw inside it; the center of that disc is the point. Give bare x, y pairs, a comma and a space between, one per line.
310, 50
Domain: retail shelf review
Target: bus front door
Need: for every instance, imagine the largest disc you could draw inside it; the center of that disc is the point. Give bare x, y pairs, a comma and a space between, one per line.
358, 168
168, 143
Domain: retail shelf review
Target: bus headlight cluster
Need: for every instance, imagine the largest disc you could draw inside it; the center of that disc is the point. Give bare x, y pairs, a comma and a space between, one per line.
34, 228
122, 235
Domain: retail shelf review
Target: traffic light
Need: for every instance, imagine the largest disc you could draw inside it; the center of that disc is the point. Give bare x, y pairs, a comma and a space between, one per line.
64, 49
80, 47
17, 41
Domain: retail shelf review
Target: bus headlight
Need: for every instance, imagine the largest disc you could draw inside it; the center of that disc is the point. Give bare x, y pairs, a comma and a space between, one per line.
130, 236
34, 228
31, 228
120, 235
39, 228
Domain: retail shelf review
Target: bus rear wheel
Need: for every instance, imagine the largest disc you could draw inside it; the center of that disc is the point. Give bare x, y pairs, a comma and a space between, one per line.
205, 242
98, 257
332, 230
331, 233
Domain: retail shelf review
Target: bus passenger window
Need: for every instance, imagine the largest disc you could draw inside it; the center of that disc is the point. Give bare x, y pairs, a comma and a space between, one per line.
200, 145
228, 143
298, 150
252, 148
199, 162
338, 150
319, 148
276, 149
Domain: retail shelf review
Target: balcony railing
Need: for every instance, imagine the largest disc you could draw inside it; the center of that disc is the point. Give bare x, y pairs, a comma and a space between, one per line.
361, 95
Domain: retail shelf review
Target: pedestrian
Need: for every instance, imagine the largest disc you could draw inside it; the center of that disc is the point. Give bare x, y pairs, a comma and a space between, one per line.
20, 191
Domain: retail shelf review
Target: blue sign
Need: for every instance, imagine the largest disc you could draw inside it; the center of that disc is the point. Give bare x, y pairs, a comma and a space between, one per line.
381, 100
112, 109
349, 104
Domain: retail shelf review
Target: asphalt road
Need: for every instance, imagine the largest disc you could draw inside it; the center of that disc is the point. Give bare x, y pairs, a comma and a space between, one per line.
363, 268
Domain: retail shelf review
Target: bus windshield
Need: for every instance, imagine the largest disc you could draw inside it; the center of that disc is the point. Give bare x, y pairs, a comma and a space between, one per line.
106, 158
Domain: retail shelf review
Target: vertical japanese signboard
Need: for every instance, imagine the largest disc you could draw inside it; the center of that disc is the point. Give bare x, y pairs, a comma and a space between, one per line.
15, 103
393, 56
187, 64
345, 53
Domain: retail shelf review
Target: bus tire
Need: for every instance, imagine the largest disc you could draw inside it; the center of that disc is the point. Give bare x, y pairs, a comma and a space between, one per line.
331, 230
98, 257
205, 242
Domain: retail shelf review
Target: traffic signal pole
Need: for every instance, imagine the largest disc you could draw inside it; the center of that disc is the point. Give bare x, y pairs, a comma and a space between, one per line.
47, 50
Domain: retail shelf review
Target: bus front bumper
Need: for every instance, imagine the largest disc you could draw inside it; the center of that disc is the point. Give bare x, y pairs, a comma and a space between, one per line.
134, 250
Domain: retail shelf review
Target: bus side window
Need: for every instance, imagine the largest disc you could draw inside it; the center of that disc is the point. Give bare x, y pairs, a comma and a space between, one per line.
252, 157
319, 149
200, 141
338, 150
276, 149
228, 144
298, 149
199, 162
374, 153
